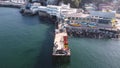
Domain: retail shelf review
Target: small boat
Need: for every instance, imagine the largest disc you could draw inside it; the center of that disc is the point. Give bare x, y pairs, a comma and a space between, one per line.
75, 24
92, 25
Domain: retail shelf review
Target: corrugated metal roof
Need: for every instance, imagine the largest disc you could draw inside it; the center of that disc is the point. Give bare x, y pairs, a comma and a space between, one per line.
102, 14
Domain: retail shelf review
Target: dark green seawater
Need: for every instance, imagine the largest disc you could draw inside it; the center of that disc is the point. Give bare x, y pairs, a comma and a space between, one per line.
26, 42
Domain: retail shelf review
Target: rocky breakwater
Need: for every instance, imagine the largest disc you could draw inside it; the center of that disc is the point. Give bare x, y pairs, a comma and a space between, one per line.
93, 33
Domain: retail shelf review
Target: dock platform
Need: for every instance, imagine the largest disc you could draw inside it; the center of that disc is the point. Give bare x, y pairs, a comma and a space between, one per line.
61, 43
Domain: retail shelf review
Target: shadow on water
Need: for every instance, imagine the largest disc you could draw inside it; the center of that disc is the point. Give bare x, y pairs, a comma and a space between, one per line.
45, 59
30, 20
61, 62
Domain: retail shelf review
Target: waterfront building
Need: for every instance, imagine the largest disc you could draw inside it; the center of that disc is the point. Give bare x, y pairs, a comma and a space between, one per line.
106, 7
90, 7
77, 17
103, 19
53, 10
60, 10
18, 1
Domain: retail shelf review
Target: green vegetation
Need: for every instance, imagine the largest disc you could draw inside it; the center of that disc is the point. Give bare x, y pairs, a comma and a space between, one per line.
74, 3
80, 3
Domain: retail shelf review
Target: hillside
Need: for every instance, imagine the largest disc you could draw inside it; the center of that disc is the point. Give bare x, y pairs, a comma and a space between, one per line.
73, 3
80, 3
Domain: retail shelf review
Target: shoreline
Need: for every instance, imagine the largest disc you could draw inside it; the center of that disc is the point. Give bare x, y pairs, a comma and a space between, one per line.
10, 4
74, 32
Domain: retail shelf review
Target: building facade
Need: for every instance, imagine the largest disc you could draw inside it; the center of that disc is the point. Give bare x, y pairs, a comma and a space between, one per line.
18, 1
98, 18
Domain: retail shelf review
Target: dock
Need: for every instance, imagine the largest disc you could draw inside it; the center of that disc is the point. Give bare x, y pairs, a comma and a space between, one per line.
61, 42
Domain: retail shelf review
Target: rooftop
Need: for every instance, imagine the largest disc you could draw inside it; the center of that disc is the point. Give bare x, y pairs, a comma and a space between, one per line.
77, 15
102, 14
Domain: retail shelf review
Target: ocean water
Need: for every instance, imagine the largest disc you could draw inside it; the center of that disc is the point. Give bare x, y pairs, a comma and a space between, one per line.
26, 42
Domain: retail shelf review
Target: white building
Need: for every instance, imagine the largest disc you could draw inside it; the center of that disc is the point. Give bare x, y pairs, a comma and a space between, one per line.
18, 1
53, 10
90, 7
60, 10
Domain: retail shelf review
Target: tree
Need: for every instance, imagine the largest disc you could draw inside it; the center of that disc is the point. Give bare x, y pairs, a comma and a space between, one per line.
77, 3
73, 3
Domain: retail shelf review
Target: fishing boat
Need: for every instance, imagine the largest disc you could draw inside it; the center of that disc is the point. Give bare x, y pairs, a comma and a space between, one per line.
75, 24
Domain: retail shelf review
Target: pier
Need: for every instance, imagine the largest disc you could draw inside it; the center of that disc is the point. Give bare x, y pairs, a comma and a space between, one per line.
61, 47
